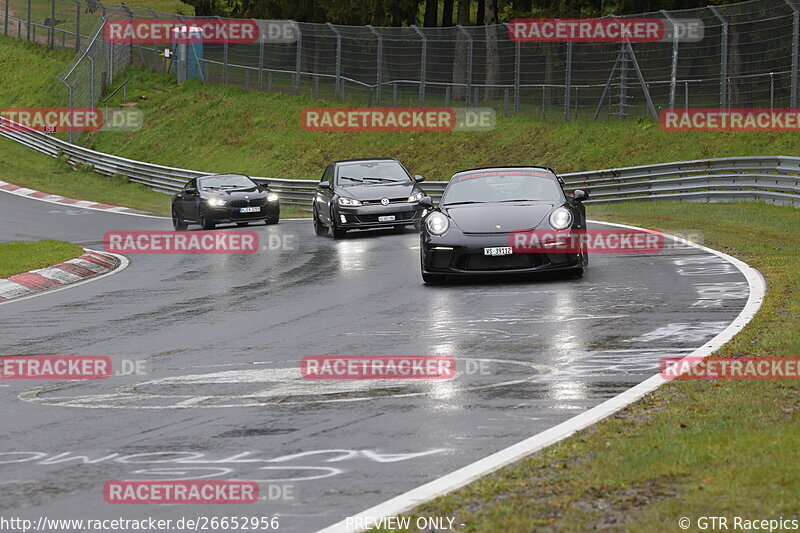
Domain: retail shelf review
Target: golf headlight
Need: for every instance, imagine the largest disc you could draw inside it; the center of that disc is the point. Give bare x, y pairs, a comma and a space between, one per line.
348, 202
272, 197
561, 218
416, 197
437, 223
216, 202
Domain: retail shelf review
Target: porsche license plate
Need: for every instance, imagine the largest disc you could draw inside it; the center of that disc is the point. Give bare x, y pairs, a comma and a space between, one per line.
498, 251
249, 209
387, 218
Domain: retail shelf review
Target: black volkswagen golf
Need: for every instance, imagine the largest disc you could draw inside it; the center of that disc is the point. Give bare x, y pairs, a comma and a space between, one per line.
221, 198
471, 231
366, 193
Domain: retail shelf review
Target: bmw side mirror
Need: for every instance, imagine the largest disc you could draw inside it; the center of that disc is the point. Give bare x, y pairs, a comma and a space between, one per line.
580, 195
190, 191
324, 185
419, 178
426, 202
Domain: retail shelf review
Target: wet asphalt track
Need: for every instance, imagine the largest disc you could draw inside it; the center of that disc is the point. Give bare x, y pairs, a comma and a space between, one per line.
221, 338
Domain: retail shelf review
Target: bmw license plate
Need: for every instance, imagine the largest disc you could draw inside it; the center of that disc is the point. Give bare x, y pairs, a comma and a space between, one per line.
387, 218
504, 250
249, 209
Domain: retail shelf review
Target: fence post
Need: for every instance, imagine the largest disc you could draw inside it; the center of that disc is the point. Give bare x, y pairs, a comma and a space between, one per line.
423, 65
5, 20
379, 73
469, 62
338, 86
28, 27
795, 46
673, 81
51, 28
260, 61
224, 58
298, 59
517, 68
91, 76
69, 101
723, 75
77, 26
568, 81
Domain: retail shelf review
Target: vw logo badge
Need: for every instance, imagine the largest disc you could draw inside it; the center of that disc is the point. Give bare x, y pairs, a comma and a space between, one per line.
384, 201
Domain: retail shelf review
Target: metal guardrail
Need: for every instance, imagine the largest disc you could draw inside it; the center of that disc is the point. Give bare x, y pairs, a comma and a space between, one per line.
773, 179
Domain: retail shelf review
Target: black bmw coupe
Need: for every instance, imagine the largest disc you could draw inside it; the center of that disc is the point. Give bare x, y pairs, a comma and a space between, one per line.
470, 233
224, 198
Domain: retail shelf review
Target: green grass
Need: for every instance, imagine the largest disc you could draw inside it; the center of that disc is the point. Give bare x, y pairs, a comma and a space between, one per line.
18, 257
164, 6
690, 448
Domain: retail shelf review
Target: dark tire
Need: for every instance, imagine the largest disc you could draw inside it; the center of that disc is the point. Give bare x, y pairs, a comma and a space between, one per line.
319, 228
205, 222
242, 224
433, 279
576, 274
177, 222
338, 233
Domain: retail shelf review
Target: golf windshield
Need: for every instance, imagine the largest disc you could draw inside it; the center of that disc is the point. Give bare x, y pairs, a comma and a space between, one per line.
372, 172
503, 186
227, 182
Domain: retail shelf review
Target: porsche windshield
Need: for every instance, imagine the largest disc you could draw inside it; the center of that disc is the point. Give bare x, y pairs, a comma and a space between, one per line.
502, 186
372, 172
227, 182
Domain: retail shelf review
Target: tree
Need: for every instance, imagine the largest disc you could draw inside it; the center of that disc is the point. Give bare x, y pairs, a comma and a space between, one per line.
447, 14
431, 13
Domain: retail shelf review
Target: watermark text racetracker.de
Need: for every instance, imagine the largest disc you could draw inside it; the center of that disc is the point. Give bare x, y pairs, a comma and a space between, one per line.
730, 368
730, 120
397, 119
195, 242
174, 31
60, 367
117, 525
606, 30
56, 119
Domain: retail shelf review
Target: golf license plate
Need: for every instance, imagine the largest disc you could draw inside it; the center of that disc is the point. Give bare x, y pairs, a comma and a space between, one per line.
387, 218
249, 209
504, 250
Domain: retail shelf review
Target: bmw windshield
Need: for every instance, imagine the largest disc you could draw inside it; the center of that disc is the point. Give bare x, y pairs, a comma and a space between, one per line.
503, 186
227, 182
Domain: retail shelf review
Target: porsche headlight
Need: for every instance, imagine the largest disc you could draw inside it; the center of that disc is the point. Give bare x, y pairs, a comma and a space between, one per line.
437, 223
216, 202
416, 197
272, 197
348, 202
561, 218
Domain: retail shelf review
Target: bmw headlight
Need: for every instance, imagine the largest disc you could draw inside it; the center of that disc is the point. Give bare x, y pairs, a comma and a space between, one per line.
416, 197
561, 218
272, 197
216, 202
437, 223
348, 202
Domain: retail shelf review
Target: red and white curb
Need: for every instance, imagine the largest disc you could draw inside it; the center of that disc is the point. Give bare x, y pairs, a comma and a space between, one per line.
55, 199
90, 266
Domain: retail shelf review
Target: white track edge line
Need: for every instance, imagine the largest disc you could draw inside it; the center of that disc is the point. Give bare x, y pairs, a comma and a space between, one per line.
465, 475
123, 264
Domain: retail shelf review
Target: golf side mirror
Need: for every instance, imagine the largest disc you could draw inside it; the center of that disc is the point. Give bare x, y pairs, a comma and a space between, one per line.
426, 202
419, 178
324, 185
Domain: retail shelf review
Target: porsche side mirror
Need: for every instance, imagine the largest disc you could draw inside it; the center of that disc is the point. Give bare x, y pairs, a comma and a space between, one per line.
324, 185
426, 202
419, 178
580, 195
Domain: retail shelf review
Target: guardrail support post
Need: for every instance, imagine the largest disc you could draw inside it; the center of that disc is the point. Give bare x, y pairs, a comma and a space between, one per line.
338, 83
723, 71
568, 81
795, 46
423, 64
379, 65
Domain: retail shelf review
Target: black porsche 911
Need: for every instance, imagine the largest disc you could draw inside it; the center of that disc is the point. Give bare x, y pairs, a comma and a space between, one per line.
366, 194
224, 198
470, 232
